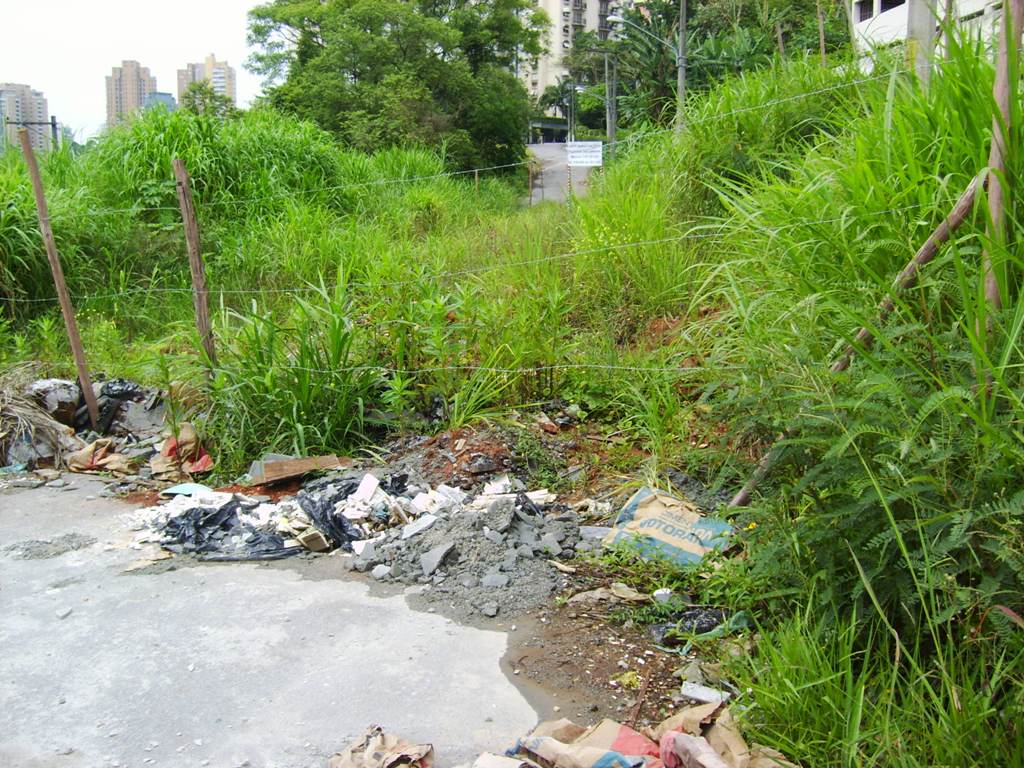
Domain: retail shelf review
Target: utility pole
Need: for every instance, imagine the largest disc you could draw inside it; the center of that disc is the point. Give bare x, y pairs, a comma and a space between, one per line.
921, 21
681, 69
610, 116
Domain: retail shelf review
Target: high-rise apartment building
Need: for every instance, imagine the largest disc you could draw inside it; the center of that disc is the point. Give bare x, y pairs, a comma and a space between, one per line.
569, 18
20, 104
127, 89
218, 74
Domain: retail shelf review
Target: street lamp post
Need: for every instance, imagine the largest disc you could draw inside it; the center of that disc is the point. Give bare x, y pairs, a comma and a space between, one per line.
680, 53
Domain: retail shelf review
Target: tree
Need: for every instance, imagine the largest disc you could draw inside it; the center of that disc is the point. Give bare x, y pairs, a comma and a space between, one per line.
391, 72
201, 99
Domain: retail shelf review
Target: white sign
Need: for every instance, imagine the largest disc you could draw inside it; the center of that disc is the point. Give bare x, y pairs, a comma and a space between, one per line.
585, 154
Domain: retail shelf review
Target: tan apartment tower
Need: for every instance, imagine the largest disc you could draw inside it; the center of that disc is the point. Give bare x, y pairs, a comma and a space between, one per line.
569, 18
20, 104
127, 89
219, 74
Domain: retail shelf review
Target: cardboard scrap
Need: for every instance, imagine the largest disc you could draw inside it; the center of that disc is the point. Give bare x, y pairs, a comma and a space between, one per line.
276, 471
659, 524
377, 749
181, 456
681, 750
698, 737
606, 745
99, 456
690, 720
724, 736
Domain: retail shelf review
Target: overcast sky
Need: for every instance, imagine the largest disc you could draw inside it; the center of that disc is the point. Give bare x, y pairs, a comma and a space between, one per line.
66, 48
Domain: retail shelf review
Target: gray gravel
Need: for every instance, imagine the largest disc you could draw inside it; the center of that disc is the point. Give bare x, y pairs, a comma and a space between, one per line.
477, 563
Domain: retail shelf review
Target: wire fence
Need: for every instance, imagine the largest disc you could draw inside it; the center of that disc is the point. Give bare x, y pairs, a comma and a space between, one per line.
135, 210
696, 234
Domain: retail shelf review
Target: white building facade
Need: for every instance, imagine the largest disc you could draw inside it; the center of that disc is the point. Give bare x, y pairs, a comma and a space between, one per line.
881, 23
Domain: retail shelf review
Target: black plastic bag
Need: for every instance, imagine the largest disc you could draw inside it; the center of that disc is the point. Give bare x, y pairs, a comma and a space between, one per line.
336, 528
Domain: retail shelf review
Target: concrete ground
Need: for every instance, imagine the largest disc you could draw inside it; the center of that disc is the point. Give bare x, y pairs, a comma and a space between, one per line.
552, 183
220, 665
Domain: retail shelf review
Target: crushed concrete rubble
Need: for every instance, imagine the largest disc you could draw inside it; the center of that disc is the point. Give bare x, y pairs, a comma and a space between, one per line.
486, 555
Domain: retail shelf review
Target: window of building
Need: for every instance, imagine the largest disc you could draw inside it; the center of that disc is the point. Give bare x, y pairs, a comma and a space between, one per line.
863, 9
888, 5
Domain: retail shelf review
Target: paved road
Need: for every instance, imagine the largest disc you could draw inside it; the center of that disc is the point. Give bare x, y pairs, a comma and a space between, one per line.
551, 184
275, 665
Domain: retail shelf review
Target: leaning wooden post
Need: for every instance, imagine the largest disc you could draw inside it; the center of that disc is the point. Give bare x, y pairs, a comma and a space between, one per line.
1009, 40
864, 338
58, 280
908, 277
195, 260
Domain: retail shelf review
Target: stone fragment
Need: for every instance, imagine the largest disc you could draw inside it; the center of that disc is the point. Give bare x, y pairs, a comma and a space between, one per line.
381, 572
494, 536
594, 532
549, 543
495, 580
489, 609
527, 536
481, 464
431, 561
418, 526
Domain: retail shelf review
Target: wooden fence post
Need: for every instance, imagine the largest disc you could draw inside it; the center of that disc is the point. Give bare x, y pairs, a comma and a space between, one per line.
195, 260
476, 178
58, 280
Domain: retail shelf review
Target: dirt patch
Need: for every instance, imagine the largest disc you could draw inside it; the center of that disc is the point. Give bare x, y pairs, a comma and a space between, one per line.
590, 668
274, 492
461, 458
35, 549
144, 498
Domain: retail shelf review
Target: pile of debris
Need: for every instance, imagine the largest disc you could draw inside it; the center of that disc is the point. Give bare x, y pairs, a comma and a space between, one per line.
497, 551
45, 425
698, 737
482, 554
